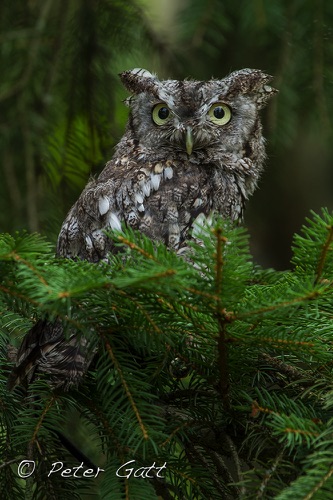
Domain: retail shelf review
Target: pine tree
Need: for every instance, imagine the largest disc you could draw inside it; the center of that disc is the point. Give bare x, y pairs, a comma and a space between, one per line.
210, 365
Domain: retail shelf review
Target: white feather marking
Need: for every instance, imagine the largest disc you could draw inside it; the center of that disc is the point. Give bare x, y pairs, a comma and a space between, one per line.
141, 208
88, 242
114, 221
146, 188
200, 223
197, 203
103, 205
131, 217
155, 181
166, 97
168, 173
138, 198
97, 234
142, 72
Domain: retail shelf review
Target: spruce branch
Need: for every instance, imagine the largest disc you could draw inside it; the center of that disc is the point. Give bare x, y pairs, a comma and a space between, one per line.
126, 387
9, 462
212, 297
102, 418
222, 319
312, 295
131, 400
269, 473
282, 343
197, 455
14, 293
324, 253
320, 484
142, 310
14, 255
39, 424
284, 368
137, 248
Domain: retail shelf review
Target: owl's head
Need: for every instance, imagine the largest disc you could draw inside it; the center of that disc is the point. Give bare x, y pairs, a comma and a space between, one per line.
195, 117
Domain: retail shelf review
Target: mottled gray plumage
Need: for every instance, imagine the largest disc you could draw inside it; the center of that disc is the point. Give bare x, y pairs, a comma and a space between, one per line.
152, 184
190, 149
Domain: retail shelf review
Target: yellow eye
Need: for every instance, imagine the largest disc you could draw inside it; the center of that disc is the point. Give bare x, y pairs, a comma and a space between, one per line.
220, 113
161, 113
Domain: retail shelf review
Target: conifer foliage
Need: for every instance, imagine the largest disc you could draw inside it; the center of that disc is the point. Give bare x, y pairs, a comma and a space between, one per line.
212, 376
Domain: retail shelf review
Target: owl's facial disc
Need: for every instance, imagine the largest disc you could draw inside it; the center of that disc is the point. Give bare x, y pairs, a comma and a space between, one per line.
187, 135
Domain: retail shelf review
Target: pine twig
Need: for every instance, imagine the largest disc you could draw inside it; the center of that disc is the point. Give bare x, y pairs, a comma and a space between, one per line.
290, 371
324, 253
222, 320
269, 474
126, 388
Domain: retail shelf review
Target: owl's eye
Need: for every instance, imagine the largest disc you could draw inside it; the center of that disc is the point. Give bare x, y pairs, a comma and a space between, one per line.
160, 113
220, 113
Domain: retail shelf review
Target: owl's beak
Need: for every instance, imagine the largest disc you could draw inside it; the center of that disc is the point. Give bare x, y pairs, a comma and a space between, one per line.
189, 140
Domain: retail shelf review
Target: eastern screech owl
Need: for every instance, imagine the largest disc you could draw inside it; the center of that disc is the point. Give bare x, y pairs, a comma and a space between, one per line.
190, 148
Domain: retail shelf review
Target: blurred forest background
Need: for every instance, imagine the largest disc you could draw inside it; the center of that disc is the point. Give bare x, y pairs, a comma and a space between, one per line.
61, 100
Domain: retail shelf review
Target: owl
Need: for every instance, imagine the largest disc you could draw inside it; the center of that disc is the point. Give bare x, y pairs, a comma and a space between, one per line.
190, 149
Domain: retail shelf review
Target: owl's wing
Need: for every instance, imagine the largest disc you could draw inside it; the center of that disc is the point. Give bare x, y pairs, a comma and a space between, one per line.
82, 233
43, 333
44, 349
160, 199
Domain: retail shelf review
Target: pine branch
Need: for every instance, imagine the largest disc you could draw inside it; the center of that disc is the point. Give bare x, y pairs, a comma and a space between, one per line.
39, 424
222, 320
320, 484
324, 253
200, 424
126, 388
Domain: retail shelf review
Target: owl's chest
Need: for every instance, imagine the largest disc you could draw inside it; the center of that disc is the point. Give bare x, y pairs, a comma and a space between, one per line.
165, 198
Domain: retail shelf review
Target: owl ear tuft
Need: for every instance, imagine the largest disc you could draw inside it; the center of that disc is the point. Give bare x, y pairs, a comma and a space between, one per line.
253, 82
139, 80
